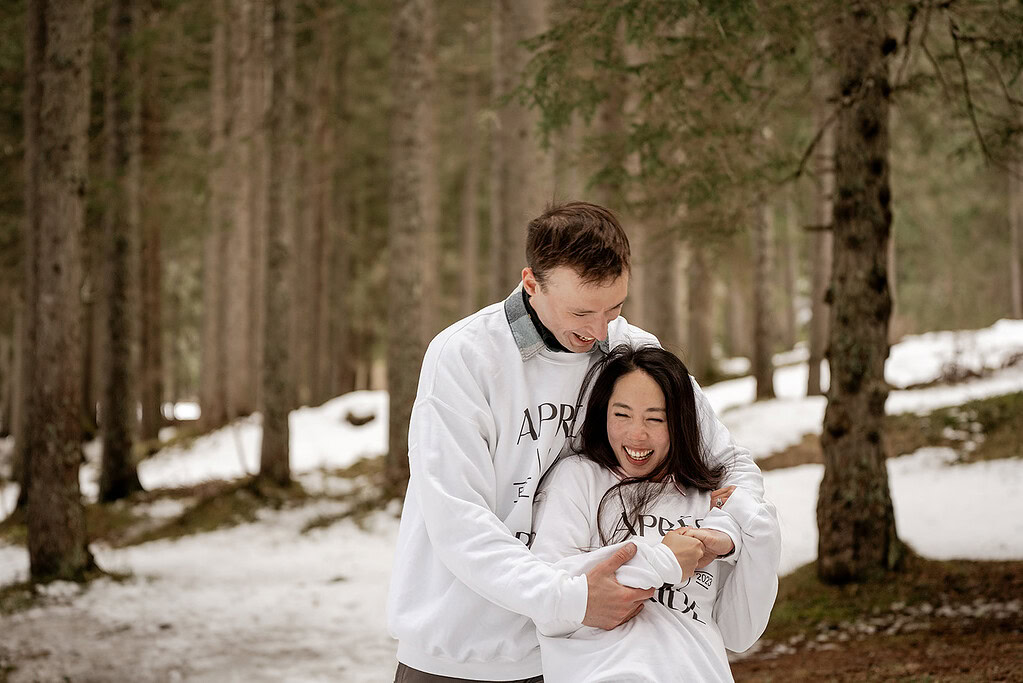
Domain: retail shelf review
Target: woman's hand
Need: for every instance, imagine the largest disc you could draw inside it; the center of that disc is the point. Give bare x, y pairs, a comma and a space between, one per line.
689, 551
718, 497
715, 543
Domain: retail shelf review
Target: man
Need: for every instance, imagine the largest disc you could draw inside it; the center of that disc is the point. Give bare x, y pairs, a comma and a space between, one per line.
497, 400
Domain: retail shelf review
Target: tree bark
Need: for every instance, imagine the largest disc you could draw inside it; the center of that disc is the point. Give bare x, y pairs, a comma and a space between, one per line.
237, 248
59, 52
324, 216
405, 224
854, 508
789, 267
763, 329
429, 177
820, 247
118, 476
213, 380
470, 195
661, 288
256, 94
701, 312
277, 380
1015, 180
151, 275
528, 170
343, 353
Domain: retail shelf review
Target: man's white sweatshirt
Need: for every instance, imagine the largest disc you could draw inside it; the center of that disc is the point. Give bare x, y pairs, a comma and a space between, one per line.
493, 411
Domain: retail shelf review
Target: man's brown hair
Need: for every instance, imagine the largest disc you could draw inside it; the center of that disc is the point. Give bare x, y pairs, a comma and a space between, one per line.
585, 237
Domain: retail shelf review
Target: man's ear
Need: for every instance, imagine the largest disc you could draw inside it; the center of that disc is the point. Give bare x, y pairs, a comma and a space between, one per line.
529, 283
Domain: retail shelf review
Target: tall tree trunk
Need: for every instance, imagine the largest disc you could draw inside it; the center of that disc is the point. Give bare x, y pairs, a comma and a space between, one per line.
237, 249
661, 287
6, 383
854, 508
895, 324
277, 390
405, 223
701, 312
789, 266
343, 353
763, 329
325, 218
118, 477
213, 380
528, 169
820, 248
429, 178
1015, 180
19, 470
59, 52
470, 194
256, 94
151, 262
499, 80
737, 322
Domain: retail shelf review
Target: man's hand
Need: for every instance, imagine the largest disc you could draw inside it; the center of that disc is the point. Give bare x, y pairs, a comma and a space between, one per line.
609, 603
689, 551
714, 543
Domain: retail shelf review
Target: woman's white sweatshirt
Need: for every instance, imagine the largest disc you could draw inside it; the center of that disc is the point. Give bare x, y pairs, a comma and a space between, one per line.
682, 632
492, 412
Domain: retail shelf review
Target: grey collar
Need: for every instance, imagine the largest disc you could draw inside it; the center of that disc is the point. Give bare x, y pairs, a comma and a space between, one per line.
526, 336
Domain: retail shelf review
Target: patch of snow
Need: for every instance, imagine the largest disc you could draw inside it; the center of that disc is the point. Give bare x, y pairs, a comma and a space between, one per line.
927, 491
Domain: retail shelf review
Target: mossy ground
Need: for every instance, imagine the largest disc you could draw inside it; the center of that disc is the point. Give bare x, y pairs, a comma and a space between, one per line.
931, 621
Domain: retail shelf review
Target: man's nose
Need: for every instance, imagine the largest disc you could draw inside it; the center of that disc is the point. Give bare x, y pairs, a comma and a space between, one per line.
598, 330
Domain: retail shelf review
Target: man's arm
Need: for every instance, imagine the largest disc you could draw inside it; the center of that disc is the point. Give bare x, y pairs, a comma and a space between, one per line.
719, 447
454, 480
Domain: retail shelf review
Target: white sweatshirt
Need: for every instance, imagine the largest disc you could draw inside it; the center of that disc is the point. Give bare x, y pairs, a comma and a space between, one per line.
683, 631
493, 410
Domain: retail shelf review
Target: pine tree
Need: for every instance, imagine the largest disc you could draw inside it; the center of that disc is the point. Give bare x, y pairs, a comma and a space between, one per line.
58, 57
854, 509
277, 368
118, 476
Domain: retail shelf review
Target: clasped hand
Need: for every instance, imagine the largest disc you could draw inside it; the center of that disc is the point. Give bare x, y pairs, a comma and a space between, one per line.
696, 548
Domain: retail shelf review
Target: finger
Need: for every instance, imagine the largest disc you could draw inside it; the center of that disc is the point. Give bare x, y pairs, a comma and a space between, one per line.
639, 608
620, 557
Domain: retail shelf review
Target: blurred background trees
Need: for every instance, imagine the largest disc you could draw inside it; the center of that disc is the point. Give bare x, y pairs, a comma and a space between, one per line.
424, 134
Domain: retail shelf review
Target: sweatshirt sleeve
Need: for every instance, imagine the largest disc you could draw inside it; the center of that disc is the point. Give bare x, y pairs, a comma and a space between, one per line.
452, 475
743, 606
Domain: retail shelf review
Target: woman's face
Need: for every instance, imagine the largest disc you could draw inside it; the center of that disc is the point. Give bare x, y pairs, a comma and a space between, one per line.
636, 424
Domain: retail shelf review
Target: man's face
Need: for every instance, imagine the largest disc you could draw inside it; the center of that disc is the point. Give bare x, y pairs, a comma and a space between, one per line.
577, 313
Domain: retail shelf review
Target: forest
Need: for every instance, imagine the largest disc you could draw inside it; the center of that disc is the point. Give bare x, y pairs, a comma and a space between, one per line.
217, 218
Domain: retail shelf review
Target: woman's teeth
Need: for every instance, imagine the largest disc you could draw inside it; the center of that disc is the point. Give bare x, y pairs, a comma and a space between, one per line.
638, 455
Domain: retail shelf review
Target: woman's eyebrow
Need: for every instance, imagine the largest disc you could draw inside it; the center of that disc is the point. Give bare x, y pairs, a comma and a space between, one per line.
621, 405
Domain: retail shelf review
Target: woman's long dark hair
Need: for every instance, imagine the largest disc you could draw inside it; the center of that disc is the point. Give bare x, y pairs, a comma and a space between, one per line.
685, 464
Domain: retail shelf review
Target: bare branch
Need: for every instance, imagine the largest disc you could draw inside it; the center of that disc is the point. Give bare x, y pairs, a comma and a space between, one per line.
954, 32
907, 34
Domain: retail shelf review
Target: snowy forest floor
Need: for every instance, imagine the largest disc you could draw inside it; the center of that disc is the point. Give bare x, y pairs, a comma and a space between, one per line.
212, 579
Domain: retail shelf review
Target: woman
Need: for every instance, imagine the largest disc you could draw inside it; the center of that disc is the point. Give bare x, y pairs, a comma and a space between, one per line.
639, 476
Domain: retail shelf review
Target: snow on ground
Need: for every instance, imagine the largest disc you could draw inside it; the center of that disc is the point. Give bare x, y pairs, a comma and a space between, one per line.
917, 359
263, 602
770, 426
930, 496
258, 602
321, 437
